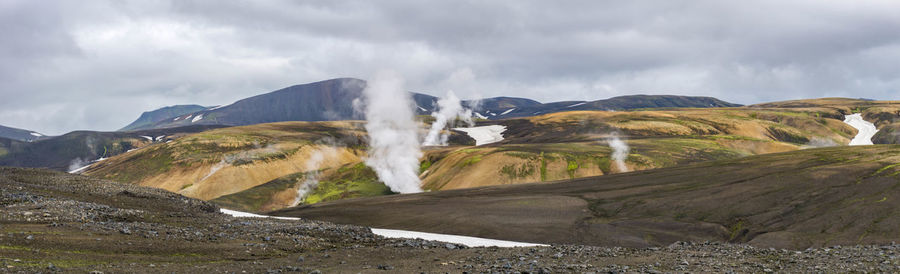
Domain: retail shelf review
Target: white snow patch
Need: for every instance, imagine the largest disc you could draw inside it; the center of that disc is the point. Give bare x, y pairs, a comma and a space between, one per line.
148, 138
421, 108
866, 129
392, 233
507, 111
485, 134
456, 239
198, 118
80, 169
35, 134
218, 107
235, 213
480, 116
176, 118
492, 114
160, 138
578, 104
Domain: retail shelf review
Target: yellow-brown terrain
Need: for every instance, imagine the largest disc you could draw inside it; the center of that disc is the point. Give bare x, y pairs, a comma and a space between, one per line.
223, 161
260, 167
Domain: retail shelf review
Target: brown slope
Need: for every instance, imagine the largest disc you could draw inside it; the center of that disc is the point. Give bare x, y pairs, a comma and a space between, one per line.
218, 162
816, 197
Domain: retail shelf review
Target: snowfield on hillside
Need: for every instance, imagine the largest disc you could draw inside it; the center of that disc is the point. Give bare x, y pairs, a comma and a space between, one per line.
393, 233
485, 134
866, 129
456, 239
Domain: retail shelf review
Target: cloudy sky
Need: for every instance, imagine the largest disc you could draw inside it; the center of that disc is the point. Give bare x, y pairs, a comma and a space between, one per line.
97, 65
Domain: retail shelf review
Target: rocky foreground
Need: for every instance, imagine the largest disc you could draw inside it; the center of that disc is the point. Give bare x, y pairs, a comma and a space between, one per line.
56, 222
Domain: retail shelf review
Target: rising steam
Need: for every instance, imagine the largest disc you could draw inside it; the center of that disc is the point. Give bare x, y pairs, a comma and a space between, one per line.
619, 152
449, 109
312, 167
214, 169
394, 150
242, 156
76, 164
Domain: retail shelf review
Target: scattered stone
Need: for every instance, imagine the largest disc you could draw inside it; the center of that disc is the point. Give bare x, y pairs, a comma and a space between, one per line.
186, 223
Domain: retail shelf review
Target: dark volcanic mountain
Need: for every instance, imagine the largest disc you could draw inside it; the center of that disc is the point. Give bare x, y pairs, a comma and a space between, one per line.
78, 148
156, 116
19, 134
320, 101
333, 100
615, 103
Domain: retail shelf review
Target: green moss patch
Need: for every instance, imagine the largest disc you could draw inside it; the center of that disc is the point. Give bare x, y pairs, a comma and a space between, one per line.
349, 181
252, 200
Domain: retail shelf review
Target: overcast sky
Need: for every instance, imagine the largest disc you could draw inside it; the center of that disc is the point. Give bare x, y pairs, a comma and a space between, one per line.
97, 65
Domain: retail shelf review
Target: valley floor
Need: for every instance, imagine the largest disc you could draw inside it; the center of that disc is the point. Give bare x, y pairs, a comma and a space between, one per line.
52, 222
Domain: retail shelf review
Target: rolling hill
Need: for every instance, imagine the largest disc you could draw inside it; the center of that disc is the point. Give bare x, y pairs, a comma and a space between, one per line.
78, 148
815, 197
548, 147
884, 114
222, 161
571, 145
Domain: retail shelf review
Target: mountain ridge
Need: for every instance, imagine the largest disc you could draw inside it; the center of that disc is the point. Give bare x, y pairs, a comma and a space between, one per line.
157, 115
20, 134
331, 100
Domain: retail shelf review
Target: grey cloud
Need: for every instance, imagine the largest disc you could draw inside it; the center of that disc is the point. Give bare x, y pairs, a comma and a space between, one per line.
98, 64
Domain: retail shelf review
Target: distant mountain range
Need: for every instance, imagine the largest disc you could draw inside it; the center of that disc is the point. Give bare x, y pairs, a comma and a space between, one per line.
333, 100
151, 117
20, 134
78, 148
320, 101
506, 107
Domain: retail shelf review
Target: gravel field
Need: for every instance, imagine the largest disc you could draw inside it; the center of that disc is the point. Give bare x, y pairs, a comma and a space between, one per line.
56, 222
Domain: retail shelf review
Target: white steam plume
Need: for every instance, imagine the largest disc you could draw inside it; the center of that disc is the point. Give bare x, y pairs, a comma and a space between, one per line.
76, 164
449, 109
312, 166
816, 142
619, 151
248, 155
214, 169
394, 150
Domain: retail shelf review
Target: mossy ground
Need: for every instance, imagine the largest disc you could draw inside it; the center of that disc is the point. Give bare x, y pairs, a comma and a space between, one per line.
349, 181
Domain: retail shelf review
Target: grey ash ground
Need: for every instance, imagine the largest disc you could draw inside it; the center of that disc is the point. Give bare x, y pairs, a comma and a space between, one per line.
52, 221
